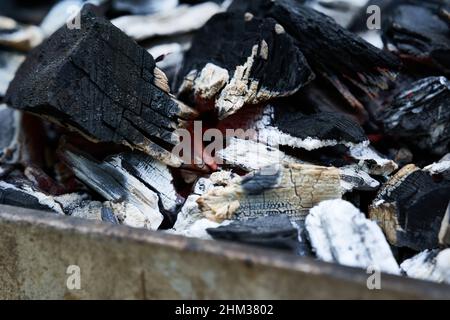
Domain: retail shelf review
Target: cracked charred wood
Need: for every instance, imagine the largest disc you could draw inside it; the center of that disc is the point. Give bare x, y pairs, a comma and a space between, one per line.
154, 174
9, 63
419, 31
420, 116
139, 204
431, 265
345, 60
410, 208
340, 233
182, 19
290, 189
270, 231
252, 61
97, 81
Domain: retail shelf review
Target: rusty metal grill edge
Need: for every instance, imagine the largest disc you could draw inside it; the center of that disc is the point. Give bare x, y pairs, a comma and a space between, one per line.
118, 262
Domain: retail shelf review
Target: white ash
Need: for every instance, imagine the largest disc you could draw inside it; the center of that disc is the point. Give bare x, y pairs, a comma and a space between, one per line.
9, 63
340, 233
440, 168
191, 222
219, 178
182, 19
371, 162
92, 210
172, 54
354, 178
431, 265
22, 37
250, 155
130, 215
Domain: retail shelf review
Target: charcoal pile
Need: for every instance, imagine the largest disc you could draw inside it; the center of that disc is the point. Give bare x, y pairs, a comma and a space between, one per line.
279, 124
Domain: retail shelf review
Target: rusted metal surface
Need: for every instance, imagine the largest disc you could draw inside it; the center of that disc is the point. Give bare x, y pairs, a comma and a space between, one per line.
36, 249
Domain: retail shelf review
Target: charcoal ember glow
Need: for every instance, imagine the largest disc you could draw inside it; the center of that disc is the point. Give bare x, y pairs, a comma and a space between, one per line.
339, 232
410, 208
252, 61
270, 231
75, 79
341, 57
420, 115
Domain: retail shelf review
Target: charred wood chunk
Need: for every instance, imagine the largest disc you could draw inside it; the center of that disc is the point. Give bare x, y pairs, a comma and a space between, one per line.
101, 83
420, 31
270, 231
114, 183
340, 233
290, 189
431, 265
338, 55
252, 60
410, 208
420, 115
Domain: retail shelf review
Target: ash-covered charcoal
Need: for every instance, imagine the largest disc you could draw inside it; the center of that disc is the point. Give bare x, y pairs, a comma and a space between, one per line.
290, 189
252, 61
440, 169
420, 115
251, 155
153, 174
354, 178
340, 233
183, 19
108, 215
410, 208
419, 31
9, 63
271, 231
137, 204
371, 161
345, 60
10, 126
22, 193
431, 265
139, 7
101, 83
312, 131
19, 37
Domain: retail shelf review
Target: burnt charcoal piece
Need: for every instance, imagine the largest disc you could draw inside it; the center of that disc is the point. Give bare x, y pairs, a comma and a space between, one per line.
271, 231
431, 265
420, 116
138, 203
410, 208
289, 189
101, 83
420, 32
338, 55
252, 60
340, 233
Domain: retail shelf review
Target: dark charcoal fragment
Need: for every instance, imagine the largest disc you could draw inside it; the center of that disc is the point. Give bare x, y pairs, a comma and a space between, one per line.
420, 31
251, 60
270, 231
421, 115
411, 207
98, 81
337, 54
